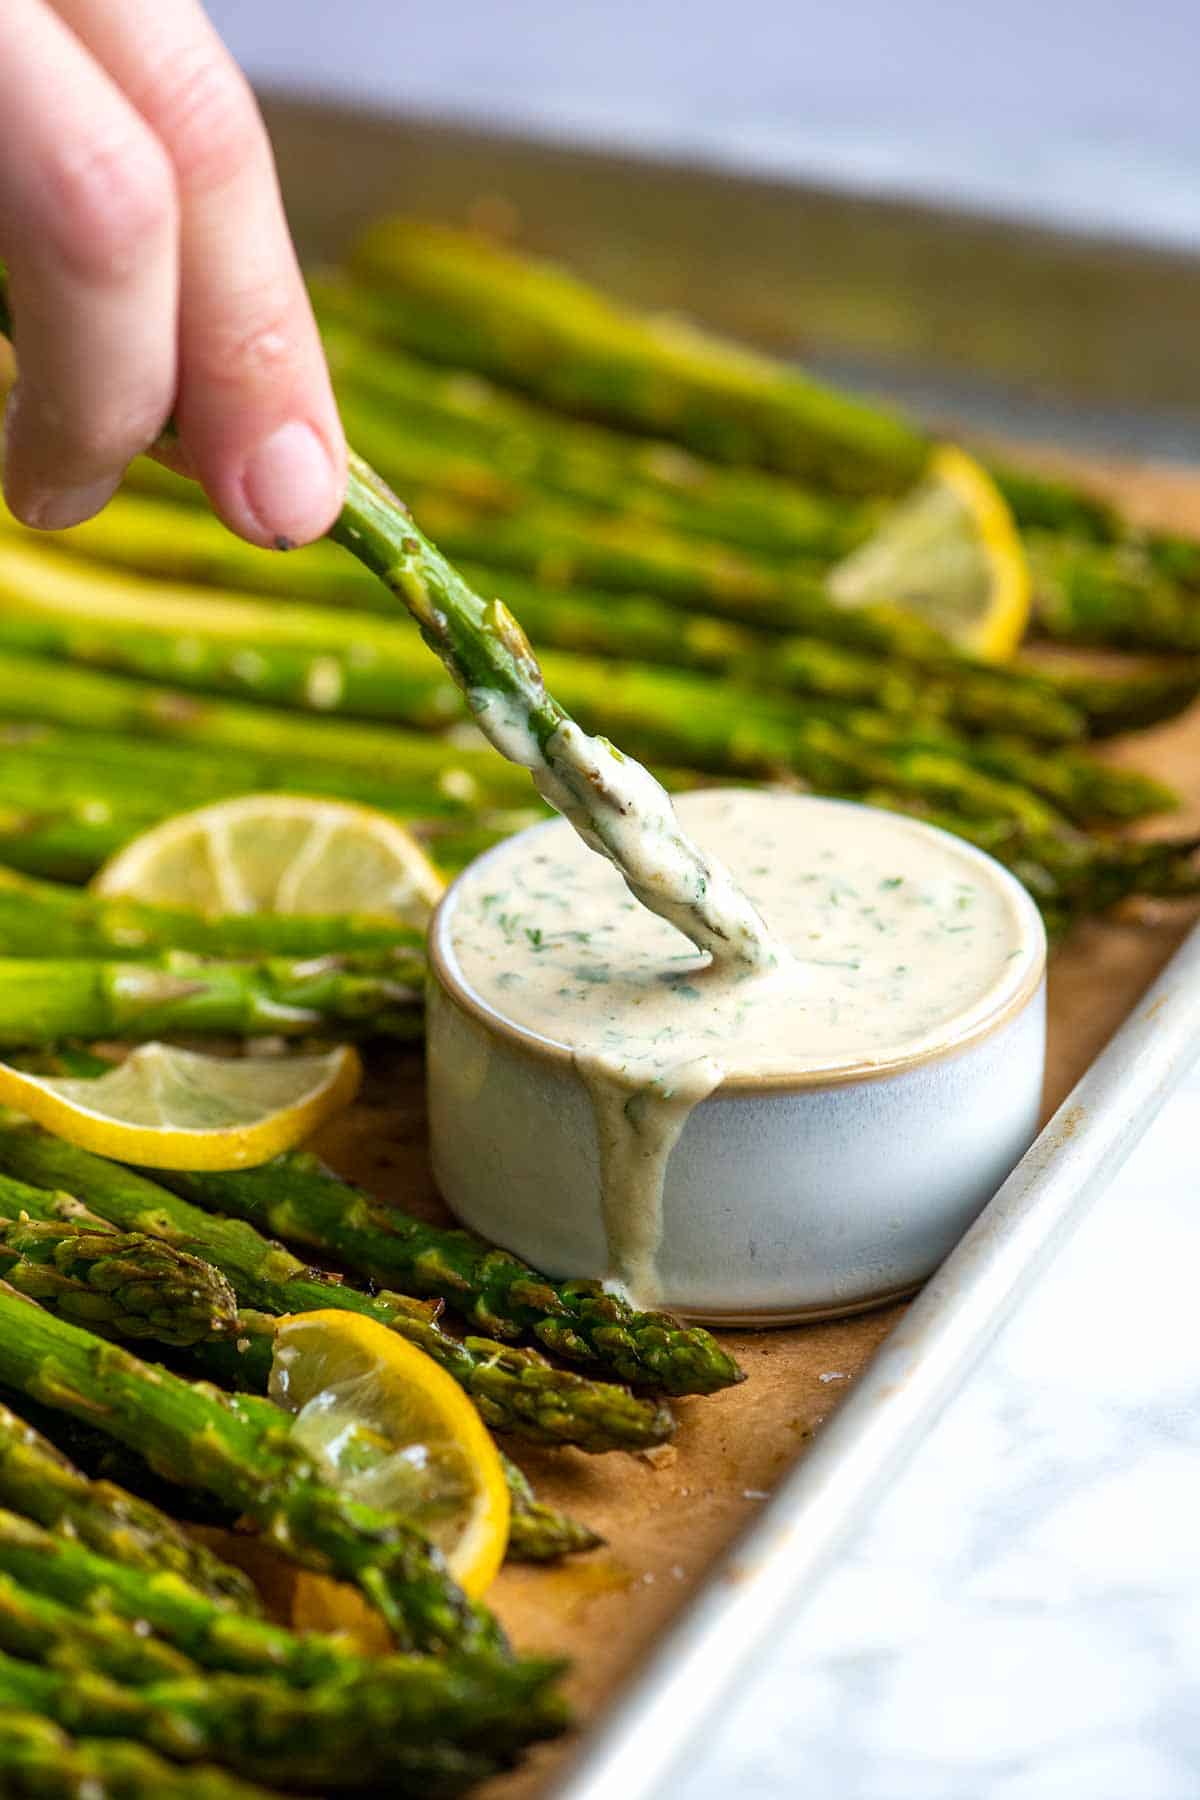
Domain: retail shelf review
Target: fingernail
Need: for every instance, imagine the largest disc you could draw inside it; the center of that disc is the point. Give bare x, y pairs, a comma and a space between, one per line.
55, 510
288, 484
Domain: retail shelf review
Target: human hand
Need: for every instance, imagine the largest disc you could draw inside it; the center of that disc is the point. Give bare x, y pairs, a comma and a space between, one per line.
152, 273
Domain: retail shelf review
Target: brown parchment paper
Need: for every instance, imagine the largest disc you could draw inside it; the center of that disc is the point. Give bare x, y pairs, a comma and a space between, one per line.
666, 1516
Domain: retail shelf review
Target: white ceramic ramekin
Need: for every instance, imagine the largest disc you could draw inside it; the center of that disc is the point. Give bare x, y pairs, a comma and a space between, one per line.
782, 1200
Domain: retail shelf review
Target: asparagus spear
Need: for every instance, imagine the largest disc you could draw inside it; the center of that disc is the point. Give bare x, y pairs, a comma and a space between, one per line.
38, 1481
1115, 596
673, 714
41, 917
515, 1390
529, 444
295, 1198
1141, 692
457, 298
1085, 592
538, 1533
39, 1629
336, 1736
43, 1001
433, 777
210, 1636
240, 1449
40, 1762
80, 611
122, 1284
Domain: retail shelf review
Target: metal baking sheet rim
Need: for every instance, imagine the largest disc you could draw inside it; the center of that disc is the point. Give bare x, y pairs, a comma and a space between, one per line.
656, 1718
918, 1368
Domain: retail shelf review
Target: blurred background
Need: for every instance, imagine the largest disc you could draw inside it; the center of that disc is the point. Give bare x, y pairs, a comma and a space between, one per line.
1073, 113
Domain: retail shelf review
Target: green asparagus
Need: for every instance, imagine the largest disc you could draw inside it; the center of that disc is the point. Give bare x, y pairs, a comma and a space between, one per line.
339, 1736
121, 1284
527, 443
48, 919
538, 1533
80, 611
43, 1001
457, 298
39, 1629
298, 1200
515, 1390
1140, 692
1115, 596
39, 1482
210, 1636
38, 1761
240, 1448
454, 297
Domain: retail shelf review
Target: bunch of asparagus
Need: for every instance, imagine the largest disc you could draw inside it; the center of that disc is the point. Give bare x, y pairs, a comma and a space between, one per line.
703, 632
115, 1625
663, 511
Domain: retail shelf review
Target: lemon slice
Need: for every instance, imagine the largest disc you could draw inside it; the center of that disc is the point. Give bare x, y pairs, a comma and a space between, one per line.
179, 1109
951, 553
394, 1431
278, 853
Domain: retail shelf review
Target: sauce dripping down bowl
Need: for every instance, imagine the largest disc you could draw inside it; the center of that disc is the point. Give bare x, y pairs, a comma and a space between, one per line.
756, 1151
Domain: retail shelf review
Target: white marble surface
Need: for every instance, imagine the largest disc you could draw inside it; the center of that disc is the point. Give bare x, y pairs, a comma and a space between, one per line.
1079, 114
1020, 1617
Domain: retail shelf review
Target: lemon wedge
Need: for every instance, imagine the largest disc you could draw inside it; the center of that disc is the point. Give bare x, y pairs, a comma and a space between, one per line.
179, 1109
278, 853
395, 1432
951, 553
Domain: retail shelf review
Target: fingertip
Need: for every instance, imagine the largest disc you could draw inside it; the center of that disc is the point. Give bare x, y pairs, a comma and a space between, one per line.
56, 509
33, 497
290, 488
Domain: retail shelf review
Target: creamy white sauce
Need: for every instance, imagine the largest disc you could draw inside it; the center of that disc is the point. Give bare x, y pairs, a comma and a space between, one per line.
893, 939
623, 813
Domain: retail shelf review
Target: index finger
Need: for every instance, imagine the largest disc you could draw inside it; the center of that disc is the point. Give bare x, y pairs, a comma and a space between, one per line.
256, 414
88, 226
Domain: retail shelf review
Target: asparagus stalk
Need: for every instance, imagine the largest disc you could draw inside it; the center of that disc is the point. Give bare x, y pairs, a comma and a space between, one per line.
301, 656
440, 779
453, 297
46, 918
298, 1200
538, 1533
336, 1737
1085, 592
240, 1449
43, 1001
207, 1635
121, 1284
672, 714
40, 1762
560, 544
530, 445
39, 1629
457, 298
1116, 596
39, 1482
1142, 692
514, 1389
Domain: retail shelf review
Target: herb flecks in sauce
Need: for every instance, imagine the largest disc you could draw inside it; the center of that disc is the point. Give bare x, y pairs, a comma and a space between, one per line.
895, 938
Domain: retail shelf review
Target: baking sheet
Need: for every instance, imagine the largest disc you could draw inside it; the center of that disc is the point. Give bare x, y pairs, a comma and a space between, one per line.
667, 1516
919, 302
